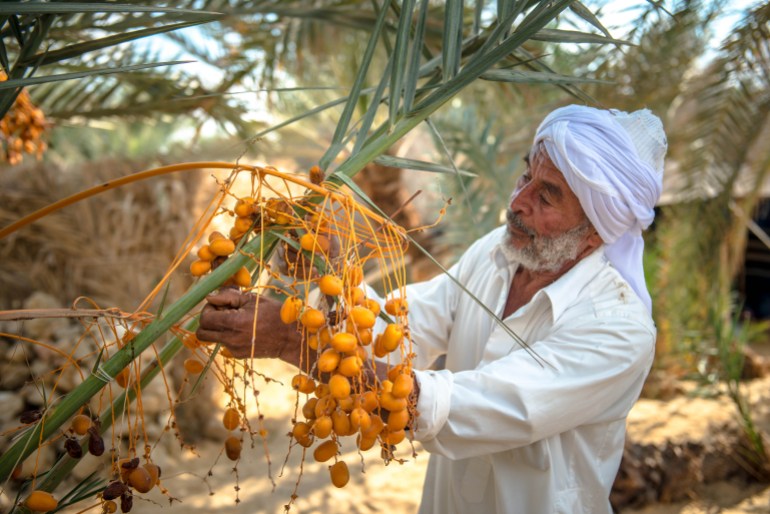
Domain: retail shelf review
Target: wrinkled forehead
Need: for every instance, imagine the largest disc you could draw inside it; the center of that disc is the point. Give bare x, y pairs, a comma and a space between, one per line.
540, 163
538, 153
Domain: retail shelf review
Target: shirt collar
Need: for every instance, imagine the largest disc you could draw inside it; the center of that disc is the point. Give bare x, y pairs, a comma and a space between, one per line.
562, 292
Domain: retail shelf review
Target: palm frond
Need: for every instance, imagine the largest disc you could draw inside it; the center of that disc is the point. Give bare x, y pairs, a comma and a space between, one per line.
42, 34
46, 79
478, 144
733, 105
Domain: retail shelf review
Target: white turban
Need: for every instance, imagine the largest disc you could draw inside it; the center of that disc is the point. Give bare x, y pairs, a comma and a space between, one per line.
613, 162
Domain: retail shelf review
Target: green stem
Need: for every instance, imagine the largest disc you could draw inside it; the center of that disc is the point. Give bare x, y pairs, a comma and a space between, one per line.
64, 466
57, 416
379, 144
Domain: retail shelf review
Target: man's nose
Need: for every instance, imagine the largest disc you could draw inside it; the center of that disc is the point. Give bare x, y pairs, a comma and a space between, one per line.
521, 199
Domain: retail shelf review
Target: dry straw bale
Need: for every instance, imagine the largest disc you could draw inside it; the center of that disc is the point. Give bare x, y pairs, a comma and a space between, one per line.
113, 247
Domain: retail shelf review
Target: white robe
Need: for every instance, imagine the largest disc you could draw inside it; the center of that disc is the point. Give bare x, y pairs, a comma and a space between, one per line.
507, 434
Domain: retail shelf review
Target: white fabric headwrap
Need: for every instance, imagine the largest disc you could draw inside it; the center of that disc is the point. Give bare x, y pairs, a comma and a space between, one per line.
613, 162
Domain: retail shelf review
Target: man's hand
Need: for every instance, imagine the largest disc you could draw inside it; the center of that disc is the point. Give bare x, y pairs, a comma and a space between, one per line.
249, 326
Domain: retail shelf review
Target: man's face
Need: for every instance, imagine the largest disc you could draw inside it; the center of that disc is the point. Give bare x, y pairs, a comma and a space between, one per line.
546, 224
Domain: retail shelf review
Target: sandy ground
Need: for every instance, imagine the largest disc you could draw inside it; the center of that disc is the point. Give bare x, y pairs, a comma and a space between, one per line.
253, 486
373, 487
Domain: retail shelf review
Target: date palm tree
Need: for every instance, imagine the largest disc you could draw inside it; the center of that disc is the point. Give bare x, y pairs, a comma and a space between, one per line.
416, 57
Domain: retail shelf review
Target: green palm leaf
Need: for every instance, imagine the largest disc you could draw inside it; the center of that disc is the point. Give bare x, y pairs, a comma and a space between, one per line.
33, 81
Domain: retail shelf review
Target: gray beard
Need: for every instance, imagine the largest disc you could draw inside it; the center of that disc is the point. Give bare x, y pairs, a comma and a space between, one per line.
543, 254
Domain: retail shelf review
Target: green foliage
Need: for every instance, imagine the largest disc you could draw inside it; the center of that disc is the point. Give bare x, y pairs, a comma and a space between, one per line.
732, 338
477, 202
683, 295
650, 73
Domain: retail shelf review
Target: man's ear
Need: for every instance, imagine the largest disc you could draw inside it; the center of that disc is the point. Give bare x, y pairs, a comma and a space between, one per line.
595, 240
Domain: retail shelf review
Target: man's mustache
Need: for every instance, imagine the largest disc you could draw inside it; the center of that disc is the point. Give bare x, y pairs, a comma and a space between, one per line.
514, 220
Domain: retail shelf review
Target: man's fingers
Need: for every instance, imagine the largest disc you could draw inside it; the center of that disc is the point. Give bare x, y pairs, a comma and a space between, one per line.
210, 336
334, 247
229, 298
237, 349
215, 319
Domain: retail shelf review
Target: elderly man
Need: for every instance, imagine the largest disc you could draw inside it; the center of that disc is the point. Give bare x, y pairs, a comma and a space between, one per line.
509, 431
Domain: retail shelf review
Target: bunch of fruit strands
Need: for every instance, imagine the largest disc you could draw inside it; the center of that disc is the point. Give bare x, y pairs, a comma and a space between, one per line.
339, 400
89, 428
132, 477
340, 341
344, 404
129, 476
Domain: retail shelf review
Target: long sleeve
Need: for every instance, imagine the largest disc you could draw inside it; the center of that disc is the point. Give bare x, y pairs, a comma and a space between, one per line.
591, 373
